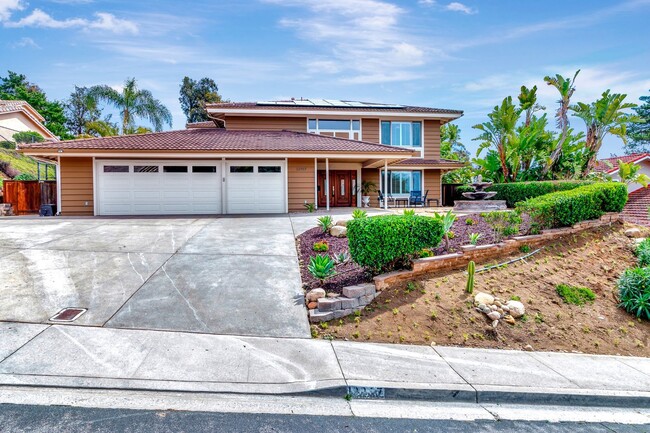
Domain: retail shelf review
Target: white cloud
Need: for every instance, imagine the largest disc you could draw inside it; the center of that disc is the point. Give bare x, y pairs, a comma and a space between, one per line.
103, 21
427, 2
26, 43
355, 38
460, 7
7, 7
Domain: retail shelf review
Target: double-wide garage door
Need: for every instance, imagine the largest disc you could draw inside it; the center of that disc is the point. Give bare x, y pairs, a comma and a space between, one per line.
145, 187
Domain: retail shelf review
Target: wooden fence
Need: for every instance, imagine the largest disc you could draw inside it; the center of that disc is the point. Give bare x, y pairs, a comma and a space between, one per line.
27, 196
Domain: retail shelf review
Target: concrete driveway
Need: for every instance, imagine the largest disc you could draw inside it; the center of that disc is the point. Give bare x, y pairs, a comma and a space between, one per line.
212, 275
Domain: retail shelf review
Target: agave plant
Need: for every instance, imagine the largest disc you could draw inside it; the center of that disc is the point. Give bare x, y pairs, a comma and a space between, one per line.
358, 213
474, 238
341, 258
321, 267
447, 221
325, 223
409, 212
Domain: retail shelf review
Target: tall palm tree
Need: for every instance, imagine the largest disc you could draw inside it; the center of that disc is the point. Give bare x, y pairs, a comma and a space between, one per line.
604, 116
566, 88
134, 103
528, 102
498, 132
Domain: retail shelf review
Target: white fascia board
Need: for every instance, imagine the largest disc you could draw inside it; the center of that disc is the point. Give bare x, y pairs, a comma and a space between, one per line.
150, 155
248, 111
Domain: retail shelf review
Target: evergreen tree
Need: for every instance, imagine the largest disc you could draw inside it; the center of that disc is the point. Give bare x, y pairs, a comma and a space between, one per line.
195, 94
639, 132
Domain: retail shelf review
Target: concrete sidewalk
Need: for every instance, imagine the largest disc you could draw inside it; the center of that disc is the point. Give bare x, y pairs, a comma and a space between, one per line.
102, 358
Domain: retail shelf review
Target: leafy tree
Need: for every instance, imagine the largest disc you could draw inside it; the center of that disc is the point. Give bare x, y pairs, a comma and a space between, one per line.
498, 133
28, 137
16, 87
81, 109
629, 173
133, 103
101, 128
639, 132
195, 94
604, 116
528, 102
566, 88
450, 145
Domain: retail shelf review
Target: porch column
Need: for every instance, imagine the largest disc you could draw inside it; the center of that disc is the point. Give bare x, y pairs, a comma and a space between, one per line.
327, 184
58, 184
386, 184
316, 183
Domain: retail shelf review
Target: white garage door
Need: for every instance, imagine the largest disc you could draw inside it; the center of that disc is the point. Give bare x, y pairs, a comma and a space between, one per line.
158, 187
256, 187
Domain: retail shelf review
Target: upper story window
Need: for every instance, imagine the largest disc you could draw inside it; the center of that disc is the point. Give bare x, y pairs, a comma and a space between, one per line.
408, 134
336, 128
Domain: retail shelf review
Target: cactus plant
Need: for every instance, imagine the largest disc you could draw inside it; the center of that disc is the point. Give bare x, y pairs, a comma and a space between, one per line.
471, 267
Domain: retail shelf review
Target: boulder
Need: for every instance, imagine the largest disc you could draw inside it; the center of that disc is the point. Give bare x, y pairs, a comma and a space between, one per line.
483, 298
494, 315
339, 231
315, 294
342, 223
633, 232
516, 308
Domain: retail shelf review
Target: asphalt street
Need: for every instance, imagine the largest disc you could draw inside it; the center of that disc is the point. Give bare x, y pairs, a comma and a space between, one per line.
52, 419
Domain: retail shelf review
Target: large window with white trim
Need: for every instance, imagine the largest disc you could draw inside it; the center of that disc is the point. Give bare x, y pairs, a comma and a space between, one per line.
406, 134
402, 182
342, 128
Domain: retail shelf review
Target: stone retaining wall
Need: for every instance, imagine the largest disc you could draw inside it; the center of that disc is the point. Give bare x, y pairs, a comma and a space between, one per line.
335, 306
485, 252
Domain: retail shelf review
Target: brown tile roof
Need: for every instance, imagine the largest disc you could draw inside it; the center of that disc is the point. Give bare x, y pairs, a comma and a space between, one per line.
367, 106
609, 165
11, 106
196, 125
430, 162
217, 139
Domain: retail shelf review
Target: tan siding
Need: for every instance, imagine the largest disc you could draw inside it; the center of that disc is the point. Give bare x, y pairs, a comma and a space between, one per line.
266, 123
431, 139
300, 174
432, 183
372, 175
370, 130
77, 186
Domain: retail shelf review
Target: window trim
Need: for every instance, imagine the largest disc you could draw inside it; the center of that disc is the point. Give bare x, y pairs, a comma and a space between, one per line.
419, 148
318, 130
411, 186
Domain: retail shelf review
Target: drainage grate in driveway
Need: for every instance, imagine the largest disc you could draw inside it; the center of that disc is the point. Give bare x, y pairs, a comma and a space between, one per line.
68, 315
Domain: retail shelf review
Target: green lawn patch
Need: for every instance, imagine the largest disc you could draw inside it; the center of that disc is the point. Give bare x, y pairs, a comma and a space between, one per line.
575, 295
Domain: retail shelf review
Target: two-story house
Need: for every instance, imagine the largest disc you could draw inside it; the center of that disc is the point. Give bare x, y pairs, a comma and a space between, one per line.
261, 157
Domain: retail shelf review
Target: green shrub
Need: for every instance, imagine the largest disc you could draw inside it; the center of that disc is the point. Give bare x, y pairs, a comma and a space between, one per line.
575, 295
524, 249
311, 207
321, 246
515, 192
565, 208
634, 291
409, 212
321, 267
388, 241
474, 238
325, 223
642, 252
358, 213
503, 223
7, 145
470, 222
459, 190
28, 137
25, 176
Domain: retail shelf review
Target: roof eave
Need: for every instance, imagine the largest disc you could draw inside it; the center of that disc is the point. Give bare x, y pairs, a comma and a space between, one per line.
306, 112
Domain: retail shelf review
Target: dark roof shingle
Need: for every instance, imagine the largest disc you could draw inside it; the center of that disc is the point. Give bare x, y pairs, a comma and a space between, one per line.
370, 107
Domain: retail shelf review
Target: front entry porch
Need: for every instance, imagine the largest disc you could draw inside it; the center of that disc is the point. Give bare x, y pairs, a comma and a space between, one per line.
343, 188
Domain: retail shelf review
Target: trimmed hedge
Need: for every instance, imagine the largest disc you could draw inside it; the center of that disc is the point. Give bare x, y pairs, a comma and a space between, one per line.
565, 208
515, 192
389, 241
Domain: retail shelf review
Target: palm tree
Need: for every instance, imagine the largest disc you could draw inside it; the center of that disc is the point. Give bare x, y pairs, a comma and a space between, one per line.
450, 145
528, 102
498, 132
604, 116
566, 88
134, 103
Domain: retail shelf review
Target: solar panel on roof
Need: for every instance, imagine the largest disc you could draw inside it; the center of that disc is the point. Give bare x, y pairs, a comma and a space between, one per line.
329, 103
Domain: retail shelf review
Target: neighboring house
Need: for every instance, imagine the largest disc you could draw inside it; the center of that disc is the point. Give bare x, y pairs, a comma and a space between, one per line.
19, 116
610, 167
263, 157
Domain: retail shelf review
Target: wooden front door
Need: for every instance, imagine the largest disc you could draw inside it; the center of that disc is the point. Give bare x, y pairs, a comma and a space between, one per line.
343, 185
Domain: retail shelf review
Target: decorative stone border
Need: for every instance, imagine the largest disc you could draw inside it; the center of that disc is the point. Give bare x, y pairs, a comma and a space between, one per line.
478, 253
335, 306
5, 209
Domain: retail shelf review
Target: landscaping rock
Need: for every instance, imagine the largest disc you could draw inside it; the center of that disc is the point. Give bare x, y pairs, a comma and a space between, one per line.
528, 348
483, 298
316, 316
354, 291
312, 305
329, 304
509, 319
633, 232
494, 315
495, 323
349, 302
484, 309
339, 231
333, 295
315, 294
516, 309
342, 223
365, 300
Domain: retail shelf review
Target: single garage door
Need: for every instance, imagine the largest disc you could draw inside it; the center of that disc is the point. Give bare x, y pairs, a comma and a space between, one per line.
144, 187
256, 187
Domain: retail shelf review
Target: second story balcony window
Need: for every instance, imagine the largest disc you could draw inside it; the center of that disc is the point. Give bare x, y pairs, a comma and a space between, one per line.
406, 134
341, 128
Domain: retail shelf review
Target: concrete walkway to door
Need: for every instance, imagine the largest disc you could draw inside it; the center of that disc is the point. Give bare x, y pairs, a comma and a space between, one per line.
225, 275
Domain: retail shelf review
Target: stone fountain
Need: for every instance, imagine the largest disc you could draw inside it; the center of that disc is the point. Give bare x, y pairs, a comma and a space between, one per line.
479, 198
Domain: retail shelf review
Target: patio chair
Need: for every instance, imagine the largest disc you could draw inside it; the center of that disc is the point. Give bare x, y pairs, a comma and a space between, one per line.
380, 198
416, 198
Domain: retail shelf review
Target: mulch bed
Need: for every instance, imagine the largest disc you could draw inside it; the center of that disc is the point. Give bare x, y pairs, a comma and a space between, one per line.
350, 273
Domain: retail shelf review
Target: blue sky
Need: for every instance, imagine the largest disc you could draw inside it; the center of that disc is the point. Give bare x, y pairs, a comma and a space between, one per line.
465, 55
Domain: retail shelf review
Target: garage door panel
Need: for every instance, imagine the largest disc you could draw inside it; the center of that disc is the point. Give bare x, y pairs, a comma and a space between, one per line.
262, 190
